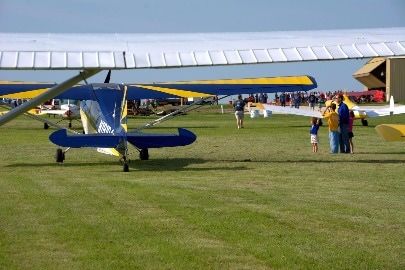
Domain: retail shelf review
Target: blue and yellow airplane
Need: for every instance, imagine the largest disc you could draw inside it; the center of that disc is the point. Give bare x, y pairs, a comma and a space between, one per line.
103, 109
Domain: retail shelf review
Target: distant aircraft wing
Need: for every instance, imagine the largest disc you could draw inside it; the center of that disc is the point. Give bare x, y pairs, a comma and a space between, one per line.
382, 111
204, 88
302, 111
172, 89
133, 51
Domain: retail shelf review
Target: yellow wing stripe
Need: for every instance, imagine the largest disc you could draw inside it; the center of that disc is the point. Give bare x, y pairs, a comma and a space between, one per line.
177, 92
302, 80
26, 95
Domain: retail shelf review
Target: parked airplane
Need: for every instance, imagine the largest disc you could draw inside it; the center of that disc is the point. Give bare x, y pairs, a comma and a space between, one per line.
103, 110
359, 112
68, 111
96, 52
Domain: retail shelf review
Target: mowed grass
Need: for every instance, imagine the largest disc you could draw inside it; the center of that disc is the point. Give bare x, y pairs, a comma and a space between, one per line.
255, 198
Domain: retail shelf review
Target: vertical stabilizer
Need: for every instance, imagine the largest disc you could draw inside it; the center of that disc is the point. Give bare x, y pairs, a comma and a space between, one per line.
391, 105
105, 113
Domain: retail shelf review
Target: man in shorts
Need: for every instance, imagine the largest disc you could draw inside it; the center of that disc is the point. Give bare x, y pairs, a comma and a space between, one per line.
239, 107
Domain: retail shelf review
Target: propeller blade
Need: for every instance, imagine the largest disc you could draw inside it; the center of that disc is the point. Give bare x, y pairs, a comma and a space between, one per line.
107, 79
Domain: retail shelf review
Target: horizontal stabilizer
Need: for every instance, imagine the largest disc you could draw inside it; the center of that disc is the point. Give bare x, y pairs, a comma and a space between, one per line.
391, 133
145, 140
61, 138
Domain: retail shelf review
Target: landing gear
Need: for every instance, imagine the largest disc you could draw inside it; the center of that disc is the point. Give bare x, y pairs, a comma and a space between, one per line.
364, 122
46, 126
144, 154
60, 155
125, 167
125, 164
70, 124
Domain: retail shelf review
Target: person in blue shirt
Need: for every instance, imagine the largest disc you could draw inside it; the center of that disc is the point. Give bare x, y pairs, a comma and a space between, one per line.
344, 117
239, 107
314, 133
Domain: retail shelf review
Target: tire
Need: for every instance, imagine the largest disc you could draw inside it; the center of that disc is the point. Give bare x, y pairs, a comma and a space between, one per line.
364, 122
125, 167
46, 126
60, 156
144, 154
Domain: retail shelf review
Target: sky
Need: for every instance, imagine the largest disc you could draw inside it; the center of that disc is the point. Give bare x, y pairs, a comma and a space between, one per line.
188, 16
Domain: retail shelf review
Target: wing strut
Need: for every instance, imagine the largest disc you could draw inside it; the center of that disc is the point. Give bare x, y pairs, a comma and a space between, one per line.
177, 112
51, 93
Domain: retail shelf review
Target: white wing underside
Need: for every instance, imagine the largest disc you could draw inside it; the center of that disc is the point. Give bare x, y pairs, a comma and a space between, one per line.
306, 111
302, 111
132, 51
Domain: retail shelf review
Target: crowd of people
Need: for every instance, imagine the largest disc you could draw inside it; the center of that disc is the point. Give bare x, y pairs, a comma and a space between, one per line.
339, 117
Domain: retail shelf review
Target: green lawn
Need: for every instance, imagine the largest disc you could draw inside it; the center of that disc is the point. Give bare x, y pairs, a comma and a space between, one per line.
255, 198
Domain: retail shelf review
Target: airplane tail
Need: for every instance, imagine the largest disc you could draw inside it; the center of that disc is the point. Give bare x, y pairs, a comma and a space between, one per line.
392, 104
105, 115
350, 104
112, 141
146, 140
104, 121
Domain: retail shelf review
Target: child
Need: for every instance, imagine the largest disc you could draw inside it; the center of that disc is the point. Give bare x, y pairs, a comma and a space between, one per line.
314, 134
351, 119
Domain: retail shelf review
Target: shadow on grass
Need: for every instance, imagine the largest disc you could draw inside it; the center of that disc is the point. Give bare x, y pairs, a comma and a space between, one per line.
318, 161
176, 164
179, 164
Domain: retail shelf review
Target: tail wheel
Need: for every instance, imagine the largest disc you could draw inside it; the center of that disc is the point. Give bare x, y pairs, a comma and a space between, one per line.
144, 154
60, 155
125, 167
364, 122
46, 126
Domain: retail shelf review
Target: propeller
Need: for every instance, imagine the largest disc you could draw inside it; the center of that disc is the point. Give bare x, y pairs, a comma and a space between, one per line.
107, 79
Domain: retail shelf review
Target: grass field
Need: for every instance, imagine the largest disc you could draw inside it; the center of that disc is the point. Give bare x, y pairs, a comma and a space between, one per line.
255, 198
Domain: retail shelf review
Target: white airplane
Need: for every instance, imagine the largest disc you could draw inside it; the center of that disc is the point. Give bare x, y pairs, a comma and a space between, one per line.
68, 111
359, 112
91, 53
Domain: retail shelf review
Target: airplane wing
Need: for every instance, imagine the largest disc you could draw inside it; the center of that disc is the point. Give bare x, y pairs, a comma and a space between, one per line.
202, 88
358, 111
391, 132
302, 111
382, 112
56, 112
133, 51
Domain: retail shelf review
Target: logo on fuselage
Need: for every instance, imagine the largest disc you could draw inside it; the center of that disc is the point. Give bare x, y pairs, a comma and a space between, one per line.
104, 128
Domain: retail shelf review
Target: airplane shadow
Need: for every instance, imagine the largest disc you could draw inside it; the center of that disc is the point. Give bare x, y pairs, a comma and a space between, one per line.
182, 126
176, 164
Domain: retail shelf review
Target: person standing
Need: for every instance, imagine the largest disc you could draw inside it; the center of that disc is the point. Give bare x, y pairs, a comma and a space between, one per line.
314, 134
333, 124
239, 107
343, 112
351, 135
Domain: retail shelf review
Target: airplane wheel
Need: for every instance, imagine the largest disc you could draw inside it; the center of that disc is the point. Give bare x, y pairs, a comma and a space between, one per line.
60, 155
125, 167
46, 126
70, 125
144, 154
364, 122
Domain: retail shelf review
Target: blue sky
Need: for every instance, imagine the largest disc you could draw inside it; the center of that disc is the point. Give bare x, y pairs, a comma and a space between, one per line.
174, 16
